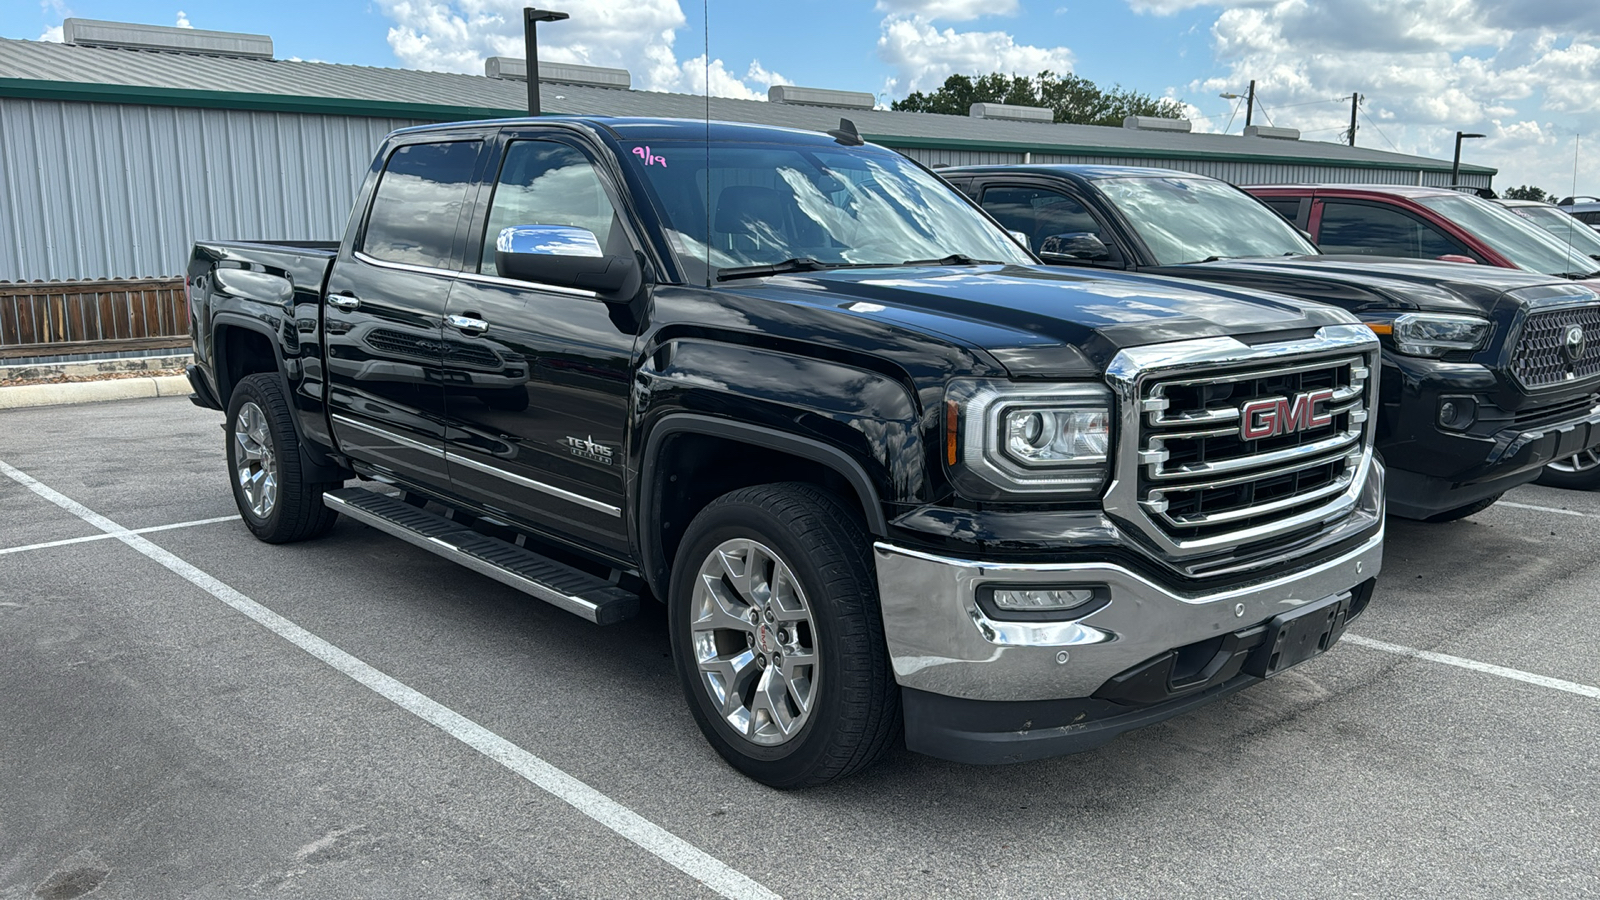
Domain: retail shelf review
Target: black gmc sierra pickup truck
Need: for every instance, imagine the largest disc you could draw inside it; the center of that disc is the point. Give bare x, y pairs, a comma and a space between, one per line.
1488, 374
884, 470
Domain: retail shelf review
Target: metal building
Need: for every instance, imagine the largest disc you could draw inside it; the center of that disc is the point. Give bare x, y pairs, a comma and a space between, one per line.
124, 144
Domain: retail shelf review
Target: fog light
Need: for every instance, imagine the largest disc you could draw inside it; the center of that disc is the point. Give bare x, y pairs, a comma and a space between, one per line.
1457, 413
1048, 599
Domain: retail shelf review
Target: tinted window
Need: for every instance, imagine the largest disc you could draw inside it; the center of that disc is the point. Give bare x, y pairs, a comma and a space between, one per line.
418, 203
1589, 218
1288, 207
1039, 213
548, 183
1526, 245
1379, 231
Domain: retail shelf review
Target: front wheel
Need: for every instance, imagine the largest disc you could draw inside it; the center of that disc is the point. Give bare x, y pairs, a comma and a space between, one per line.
277, 502
1578, 472
777, 636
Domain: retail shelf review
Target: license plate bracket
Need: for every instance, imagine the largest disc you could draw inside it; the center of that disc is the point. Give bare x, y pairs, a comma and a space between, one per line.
1298, 635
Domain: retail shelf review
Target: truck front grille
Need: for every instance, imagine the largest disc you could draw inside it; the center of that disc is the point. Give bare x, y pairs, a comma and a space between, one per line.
1202, 473
1544, 356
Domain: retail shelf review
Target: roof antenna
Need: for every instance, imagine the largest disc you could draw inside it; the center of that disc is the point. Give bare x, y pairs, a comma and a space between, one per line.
846, 134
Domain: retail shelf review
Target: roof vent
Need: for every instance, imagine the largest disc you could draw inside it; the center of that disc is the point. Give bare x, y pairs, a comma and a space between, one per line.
127, 36
1153, 123
804, 96
1011, 113
1268, 131
509, 68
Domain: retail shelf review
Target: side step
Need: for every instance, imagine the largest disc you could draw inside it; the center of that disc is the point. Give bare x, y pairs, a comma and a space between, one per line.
557, 584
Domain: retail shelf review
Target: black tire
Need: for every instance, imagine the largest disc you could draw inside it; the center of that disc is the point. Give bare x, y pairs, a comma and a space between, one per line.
296, 512
1461, 512
854, 713
1584, 476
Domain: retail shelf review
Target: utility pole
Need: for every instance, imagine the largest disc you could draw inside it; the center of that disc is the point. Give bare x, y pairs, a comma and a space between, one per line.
530, 23
1250, 104
1355, 100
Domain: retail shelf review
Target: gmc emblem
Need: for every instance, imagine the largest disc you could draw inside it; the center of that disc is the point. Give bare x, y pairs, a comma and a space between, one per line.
1285, 415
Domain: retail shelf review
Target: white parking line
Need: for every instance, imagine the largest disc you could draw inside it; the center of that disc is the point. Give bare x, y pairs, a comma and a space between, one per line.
681, 854
1571, 687
109, 535
1548, 509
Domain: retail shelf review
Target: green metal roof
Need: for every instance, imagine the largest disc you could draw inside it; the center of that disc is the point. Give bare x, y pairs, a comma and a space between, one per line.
34, 69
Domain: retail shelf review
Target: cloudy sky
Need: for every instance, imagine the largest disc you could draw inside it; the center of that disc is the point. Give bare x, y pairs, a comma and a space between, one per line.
1524, 72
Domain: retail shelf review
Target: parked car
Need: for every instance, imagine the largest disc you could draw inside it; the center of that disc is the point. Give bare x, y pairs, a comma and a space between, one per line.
1421, 223
1477, 395
1584, 209
1566, 228
883, 469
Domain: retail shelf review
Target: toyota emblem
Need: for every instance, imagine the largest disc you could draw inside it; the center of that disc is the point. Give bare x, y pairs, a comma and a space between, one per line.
1574, 343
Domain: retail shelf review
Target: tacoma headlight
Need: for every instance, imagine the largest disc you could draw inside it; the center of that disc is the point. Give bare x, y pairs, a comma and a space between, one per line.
1005, 439
1433, 334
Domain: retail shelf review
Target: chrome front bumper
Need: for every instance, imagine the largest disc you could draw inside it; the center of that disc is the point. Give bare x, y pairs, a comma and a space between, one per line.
942, 642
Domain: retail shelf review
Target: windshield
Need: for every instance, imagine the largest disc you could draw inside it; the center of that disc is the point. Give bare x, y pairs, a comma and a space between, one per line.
1186, 219
1567, 229
1525, 244
837, 205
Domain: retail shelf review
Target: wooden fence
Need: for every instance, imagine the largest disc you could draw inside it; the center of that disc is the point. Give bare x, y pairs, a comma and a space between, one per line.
50, 317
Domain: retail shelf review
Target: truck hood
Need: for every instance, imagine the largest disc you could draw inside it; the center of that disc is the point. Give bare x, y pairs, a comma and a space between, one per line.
1047, 322
1357, 283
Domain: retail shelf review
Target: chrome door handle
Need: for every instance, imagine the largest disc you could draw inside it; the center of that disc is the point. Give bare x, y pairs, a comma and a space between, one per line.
345, 301
467, 324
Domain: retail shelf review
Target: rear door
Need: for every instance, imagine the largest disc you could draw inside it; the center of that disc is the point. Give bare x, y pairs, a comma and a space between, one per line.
383, 312
537, 376
1376, 229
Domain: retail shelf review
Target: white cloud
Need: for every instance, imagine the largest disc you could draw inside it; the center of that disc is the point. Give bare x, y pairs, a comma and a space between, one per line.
637, 35
922, 56
948, 10
183, 20
53, 34
1521, 71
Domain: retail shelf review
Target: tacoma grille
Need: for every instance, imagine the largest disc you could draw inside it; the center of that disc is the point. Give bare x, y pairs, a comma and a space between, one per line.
1232, 450
1542, 358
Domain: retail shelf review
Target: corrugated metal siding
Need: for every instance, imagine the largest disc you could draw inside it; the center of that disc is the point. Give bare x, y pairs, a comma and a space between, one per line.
1229, 171
93, 190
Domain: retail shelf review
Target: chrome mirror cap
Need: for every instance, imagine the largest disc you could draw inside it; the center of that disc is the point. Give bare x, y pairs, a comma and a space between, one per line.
548, 240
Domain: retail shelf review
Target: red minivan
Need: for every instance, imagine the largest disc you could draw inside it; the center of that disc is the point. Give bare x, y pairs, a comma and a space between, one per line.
1422, 223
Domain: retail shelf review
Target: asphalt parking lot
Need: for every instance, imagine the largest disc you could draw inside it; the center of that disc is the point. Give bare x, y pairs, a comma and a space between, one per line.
187, 712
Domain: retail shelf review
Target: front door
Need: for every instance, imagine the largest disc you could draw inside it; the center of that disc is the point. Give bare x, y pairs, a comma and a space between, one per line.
384, 308
537, 376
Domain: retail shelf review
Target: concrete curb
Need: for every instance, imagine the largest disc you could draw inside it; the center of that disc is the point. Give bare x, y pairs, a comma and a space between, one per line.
28, 395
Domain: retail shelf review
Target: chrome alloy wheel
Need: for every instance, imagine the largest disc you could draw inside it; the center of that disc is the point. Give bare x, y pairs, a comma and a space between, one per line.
1582, 461
255, 462
755, 643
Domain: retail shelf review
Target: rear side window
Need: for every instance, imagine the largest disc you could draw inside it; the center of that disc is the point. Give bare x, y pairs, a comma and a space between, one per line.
1288, 207
1379, 231
1039, 213
548, 183
418, 204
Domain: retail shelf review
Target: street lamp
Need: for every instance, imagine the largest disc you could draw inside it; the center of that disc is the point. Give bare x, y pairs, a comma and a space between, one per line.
1250, 105
530, 22
1455, 167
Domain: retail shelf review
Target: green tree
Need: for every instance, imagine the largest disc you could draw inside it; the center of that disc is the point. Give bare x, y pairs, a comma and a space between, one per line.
1529, 192
1073, 99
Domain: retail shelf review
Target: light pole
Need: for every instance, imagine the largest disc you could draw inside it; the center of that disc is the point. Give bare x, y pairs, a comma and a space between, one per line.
530, 23
1455, 167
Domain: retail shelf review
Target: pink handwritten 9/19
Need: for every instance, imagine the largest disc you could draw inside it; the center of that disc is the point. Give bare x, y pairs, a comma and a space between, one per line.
649, 158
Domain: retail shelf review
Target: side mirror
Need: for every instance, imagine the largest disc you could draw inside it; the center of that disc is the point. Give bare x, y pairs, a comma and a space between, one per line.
1082, 246
1457, 258
564, 256
1307, 235
1021, 237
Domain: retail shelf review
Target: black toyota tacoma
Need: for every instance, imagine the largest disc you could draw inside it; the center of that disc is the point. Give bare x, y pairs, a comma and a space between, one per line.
1488, 374
882, 468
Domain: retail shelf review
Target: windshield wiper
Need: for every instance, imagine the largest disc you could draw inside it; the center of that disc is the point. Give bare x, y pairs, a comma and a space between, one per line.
954, 259
797, 264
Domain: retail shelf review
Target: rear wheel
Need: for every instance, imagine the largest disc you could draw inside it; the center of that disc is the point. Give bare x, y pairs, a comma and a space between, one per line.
276, 501
1461, 512
1578, 472
777, 636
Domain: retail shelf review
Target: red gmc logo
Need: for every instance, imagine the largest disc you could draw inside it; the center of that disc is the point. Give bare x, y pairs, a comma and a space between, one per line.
1285, 415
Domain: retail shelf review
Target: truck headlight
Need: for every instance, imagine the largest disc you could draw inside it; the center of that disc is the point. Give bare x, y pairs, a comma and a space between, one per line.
1433, 334
1005, 439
